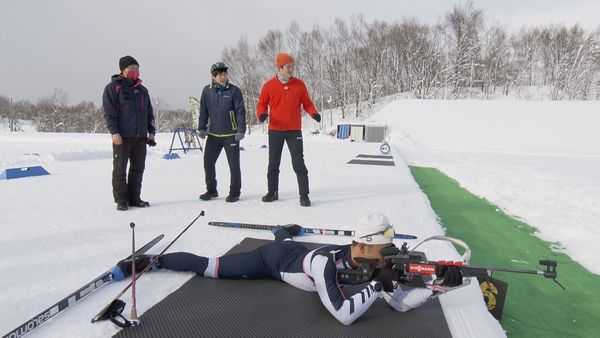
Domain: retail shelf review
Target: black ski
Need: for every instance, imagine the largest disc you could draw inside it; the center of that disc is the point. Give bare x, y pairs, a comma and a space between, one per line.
305, 230
73, 298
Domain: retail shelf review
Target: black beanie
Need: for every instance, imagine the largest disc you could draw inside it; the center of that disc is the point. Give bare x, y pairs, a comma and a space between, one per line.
127, 61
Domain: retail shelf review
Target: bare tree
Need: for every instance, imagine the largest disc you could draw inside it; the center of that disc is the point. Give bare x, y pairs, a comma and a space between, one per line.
268, 48
292, 45
243, 60
49, 112
495, 52
23, 110
312, 64
8, 115
417, 49
368, 54
337, 64
523, 60
464, 23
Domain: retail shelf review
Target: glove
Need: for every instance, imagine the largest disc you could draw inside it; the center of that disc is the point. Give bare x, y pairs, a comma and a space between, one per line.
450, 275
385, 276
294, 229
317, 117
263, 117
202, 133
151, 142
239, 136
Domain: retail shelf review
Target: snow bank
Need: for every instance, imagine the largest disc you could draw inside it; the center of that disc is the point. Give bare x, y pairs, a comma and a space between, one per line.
538, 160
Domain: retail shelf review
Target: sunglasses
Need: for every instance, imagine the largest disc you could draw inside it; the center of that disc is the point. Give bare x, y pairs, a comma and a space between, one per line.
387, 233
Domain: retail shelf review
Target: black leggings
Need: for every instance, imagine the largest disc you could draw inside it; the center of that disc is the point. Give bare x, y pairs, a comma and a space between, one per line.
293, 138
267, 261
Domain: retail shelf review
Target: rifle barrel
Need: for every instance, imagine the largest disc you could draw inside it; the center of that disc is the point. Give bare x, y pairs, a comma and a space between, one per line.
479, 271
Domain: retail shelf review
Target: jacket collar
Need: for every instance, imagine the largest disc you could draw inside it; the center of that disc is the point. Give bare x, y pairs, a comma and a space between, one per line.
213, 84
123, 80
292, 79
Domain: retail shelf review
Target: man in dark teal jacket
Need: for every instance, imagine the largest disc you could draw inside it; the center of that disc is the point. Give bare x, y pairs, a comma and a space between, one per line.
223, 123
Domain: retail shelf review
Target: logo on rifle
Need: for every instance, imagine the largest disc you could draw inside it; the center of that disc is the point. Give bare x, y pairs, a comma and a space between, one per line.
422, 269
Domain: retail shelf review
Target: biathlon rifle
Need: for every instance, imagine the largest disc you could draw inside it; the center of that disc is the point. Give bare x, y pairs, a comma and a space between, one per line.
414, 270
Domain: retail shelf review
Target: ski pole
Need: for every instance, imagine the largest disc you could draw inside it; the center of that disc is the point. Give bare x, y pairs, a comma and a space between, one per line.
116, 302
315, 231
135, 321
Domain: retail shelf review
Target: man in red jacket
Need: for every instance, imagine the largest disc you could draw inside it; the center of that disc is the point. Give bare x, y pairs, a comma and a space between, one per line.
280, 99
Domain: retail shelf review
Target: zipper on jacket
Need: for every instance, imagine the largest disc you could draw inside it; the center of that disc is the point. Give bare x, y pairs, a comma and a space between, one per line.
218, 126
137, 132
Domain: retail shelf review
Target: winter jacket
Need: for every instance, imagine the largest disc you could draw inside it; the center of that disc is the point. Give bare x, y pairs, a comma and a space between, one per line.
222, 110
284, 101
127, 108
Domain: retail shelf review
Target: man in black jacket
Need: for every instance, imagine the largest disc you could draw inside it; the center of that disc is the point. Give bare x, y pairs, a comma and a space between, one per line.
130, 121
223, 123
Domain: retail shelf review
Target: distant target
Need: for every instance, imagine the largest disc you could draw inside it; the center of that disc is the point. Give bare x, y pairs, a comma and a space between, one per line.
385, 148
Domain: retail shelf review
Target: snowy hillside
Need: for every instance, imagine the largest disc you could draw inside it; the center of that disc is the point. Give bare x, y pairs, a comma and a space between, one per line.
538, 160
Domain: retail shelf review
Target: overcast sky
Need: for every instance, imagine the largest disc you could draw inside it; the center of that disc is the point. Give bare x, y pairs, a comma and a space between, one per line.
74, 45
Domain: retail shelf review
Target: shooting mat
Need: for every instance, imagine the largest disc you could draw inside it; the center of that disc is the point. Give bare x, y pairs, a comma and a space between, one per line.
205, 307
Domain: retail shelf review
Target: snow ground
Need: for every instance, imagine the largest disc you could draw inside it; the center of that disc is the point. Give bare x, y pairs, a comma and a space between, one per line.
60, 231
537, 160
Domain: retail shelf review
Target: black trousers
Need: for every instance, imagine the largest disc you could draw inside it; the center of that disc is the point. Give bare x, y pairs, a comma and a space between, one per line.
293, 138
212, 150
128, 186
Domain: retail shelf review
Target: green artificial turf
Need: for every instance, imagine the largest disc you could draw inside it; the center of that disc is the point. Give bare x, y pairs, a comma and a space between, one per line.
535, 306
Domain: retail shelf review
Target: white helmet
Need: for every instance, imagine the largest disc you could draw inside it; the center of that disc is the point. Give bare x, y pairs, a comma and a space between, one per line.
374, 228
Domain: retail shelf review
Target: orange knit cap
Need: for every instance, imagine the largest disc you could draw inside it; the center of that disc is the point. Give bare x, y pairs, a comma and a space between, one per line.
283, 59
